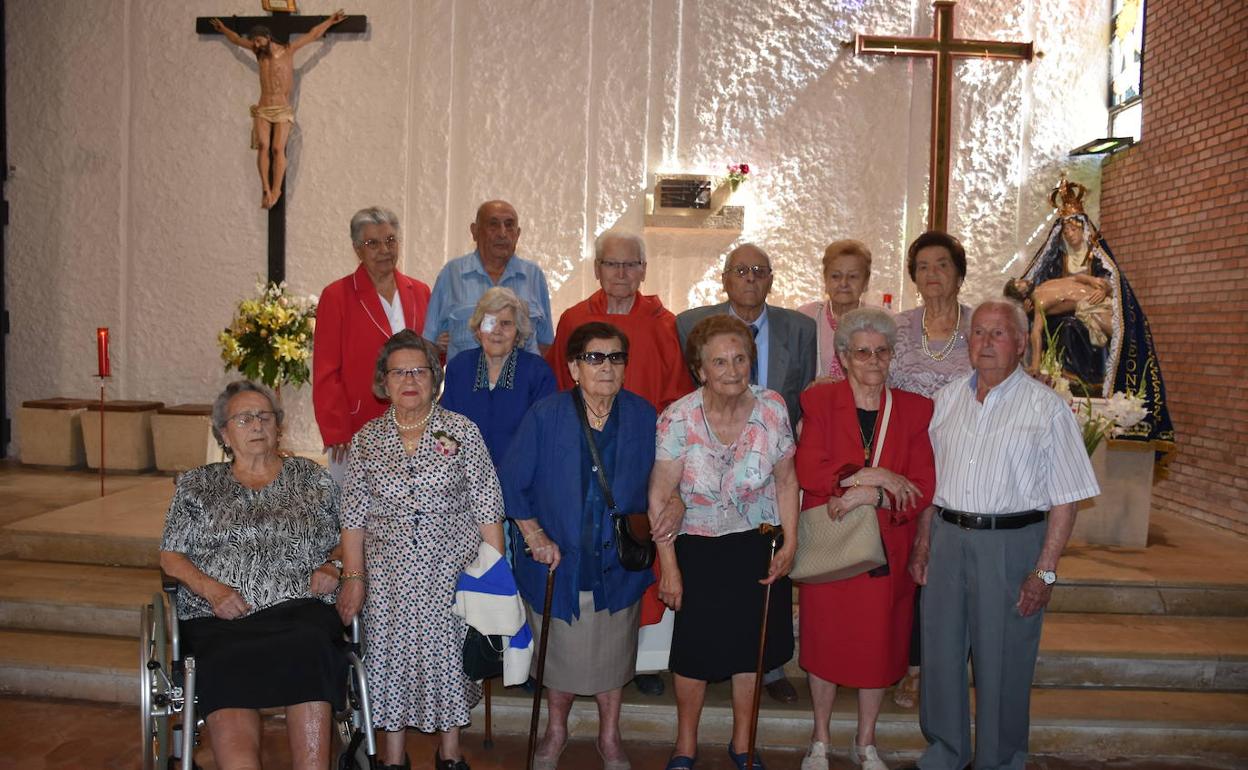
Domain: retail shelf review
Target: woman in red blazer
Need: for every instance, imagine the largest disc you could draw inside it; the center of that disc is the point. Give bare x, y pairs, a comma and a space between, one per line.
354, 318
856, 632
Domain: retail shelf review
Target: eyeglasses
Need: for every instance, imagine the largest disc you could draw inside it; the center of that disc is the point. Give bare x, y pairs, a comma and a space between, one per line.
243, 419
372, 244
741, 271
618, 358
627, 267
416, 373
863, 355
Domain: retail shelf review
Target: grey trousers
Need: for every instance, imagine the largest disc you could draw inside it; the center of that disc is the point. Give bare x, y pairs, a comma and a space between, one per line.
973, 582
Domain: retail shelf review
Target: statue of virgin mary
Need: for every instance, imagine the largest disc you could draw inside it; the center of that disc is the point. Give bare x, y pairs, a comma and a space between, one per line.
1099, 364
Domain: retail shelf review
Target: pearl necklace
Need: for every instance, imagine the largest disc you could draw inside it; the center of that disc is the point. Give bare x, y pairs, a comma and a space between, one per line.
409, 445
953, 337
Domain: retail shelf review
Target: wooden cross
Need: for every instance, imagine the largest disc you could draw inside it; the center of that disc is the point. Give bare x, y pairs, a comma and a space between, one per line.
282, 26
942, 47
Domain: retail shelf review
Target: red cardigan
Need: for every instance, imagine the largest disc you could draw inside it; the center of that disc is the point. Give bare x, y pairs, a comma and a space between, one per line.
830, 447
351, 327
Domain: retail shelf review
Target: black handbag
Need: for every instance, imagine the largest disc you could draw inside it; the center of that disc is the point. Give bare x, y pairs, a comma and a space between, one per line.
633, 544
483, 655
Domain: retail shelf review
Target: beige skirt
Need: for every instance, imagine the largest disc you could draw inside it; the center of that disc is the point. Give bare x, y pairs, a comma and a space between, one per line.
596, 653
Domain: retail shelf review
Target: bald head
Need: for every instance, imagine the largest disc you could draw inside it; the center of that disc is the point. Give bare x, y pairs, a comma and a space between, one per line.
747, 280
496, 231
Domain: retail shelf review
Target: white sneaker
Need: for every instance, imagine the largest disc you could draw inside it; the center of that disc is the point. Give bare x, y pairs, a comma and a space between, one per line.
866, 756
816, 758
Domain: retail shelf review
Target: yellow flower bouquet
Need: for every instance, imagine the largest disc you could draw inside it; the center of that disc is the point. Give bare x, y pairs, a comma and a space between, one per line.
270, 338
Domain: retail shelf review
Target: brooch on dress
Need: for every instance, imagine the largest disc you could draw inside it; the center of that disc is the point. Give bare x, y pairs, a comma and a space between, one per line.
445, 444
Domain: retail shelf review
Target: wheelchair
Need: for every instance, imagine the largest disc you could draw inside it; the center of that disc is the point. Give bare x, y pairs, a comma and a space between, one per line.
170, 726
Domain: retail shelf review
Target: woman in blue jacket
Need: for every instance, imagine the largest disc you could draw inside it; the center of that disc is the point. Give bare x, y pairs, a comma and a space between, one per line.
552, 492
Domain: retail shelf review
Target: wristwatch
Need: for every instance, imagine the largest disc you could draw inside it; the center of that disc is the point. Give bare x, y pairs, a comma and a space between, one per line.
1047, 576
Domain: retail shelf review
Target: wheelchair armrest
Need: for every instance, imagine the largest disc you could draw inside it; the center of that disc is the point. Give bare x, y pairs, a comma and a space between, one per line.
168, 584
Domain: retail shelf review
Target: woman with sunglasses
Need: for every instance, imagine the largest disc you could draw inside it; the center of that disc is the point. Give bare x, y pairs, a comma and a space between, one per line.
564, 519
420, 496
862, 443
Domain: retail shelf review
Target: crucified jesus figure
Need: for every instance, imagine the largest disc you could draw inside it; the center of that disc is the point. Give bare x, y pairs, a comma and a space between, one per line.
273, 117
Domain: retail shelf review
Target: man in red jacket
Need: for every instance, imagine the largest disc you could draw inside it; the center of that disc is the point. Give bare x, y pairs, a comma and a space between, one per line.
355, 316
656, 366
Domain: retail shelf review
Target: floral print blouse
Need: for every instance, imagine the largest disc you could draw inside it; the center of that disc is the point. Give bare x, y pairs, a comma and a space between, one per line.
726, 488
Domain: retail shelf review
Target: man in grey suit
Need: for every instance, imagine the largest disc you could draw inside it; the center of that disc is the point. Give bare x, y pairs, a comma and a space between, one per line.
786, 355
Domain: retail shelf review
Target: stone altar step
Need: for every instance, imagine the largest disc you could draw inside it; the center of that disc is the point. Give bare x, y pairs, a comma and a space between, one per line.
1066, 722
82, 598
60, 665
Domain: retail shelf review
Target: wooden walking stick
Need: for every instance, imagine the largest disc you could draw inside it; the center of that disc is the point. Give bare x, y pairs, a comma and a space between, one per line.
775, 533
541, 670
489, 716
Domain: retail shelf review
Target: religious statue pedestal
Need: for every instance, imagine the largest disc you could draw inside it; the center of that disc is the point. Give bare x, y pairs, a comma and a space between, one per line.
182, 437
1119, 516
128, 434
51, 431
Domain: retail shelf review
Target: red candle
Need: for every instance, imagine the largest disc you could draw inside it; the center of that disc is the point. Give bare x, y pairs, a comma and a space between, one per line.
888, 302
101, 344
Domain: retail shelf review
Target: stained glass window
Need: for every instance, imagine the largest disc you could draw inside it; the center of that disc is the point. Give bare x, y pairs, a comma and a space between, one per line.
1126, 57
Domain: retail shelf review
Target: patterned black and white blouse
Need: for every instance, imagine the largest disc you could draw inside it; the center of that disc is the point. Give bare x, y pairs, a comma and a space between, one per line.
265, 543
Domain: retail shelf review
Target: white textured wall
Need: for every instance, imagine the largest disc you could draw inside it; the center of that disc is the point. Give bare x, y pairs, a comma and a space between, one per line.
134, 200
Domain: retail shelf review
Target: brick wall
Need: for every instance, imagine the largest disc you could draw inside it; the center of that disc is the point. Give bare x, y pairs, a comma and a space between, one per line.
1174, 208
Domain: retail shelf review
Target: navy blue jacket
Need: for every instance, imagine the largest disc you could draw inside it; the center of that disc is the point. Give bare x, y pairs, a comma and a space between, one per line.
541, 478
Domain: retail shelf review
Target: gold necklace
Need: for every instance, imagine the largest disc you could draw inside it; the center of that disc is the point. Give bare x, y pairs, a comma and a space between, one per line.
598, 420
953, 337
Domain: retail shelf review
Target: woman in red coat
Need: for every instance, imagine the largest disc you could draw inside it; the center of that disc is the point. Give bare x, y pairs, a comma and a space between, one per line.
354, 317
856, 632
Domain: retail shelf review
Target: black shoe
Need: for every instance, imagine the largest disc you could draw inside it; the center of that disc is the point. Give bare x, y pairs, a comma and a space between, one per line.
448, 764
649, 684
781, 690
407, 764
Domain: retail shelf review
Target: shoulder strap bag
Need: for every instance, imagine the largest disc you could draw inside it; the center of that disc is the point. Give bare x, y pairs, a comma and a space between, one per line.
633, 544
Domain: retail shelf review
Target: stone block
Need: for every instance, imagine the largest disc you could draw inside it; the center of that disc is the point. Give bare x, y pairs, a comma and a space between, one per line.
51, 432
127, 435
1119, 516
182, 437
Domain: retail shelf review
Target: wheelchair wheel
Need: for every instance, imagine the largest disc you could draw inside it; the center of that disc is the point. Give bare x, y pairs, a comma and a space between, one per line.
153, 687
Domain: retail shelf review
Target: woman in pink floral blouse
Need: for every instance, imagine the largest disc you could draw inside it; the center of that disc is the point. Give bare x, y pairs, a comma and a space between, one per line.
729, 449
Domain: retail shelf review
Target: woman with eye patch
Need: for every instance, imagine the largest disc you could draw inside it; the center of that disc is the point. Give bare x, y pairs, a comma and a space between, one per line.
862, 443
554, 493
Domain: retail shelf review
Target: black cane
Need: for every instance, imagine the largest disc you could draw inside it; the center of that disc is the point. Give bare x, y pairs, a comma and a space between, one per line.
775, 533
541, 669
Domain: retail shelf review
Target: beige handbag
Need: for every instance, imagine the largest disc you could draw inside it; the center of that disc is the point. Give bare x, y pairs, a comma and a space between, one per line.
830, 550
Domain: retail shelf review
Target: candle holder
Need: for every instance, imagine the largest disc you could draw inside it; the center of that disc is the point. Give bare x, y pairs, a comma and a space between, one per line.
105, 371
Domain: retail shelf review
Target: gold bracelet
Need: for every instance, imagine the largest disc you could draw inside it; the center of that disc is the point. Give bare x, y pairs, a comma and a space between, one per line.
537, 531
353, 575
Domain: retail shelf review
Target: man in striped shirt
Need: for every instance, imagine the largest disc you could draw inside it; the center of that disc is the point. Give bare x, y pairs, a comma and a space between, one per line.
1010, 471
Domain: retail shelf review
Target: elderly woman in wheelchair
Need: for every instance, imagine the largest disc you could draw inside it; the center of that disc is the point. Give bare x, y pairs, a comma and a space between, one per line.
250, 543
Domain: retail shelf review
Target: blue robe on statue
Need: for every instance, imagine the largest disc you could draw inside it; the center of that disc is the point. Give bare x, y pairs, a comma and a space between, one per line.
1128, 361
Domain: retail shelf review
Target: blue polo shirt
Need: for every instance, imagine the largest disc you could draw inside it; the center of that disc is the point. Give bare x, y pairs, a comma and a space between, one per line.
459, 287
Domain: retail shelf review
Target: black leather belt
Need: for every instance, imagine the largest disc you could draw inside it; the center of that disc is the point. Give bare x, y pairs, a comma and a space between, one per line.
984, 521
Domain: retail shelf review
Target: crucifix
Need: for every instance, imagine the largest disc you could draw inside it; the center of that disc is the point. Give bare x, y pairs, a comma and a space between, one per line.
942, 47
272, 118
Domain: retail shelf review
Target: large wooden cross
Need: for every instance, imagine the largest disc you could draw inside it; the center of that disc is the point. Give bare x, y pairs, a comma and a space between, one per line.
282, 26
942, 47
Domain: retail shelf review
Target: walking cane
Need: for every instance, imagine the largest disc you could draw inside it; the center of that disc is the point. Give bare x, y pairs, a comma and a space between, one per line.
776, 534
541, 670
489, 716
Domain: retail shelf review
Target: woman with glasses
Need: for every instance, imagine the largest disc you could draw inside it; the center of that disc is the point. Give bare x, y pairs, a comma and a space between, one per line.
420, 496
354, 317
563, 519
248, 541
862, 443
728, 448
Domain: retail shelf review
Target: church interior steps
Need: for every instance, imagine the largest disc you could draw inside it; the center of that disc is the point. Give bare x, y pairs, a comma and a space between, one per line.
1144, 654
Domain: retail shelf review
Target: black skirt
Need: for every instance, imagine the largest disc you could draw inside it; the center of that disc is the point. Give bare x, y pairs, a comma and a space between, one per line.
293, 652
717, 629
